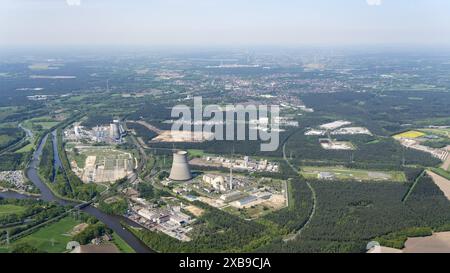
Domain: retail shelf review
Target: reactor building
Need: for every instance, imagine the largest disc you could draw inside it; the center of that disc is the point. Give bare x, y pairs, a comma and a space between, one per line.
180, 168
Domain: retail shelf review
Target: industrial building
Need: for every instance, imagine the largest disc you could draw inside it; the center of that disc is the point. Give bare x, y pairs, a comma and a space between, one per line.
216, 181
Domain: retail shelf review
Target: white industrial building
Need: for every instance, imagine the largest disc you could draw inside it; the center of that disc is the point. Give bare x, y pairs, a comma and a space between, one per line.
218, 182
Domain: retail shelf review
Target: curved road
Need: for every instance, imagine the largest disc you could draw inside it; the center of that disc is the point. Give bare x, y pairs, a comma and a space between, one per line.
314, 197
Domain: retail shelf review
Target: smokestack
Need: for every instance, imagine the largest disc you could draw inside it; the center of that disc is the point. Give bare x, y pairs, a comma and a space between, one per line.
180, 168
231, 177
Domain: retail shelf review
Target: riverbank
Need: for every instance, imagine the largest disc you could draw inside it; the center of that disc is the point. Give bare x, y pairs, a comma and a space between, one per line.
111, 221
3, 189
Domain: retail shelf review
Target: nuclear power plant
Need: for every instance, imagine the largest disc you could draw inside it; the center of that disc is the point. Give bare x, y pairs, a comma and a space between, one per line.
180, 168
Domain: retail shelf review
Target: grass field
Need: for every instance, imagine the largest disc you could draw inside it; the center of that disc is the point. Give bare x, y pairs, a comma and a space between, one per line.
441, 172
440, 132
410, 134
5, 139
196, 153
121, 244
52, 238
25, 149
4, 250
10, 209
101, 187
252, 212
342, 173
79, 158
46, 122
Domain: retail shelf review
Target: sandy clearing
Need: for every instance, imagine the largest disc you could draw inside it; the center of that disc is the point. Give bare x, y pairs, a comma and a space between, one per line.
384, 249
437, 243
78, 228
195, 210
183, 136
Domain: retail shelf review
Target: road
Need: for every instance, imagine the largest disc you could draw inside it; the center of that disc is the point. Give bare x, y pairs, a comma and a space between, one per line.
28, 132
293, 236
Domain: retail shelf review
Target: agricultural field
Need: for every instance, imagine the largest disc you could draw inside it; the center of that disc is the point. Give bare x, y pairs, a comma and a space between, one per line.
10, 209
9, 135
441, 172
121, 244
4, 139
342, 173
442, 132
196, 153
410, 134
435, 141
25, 149
52, 238
40, 123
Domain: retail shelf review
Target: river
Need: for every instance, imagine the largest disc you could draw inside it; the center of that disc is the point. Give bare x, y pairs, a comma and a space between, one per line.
111, 221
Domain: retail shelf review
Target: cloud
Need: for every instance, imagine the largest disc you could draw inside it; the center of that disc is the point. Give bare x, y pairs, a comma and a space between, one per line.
374, 2
73, 2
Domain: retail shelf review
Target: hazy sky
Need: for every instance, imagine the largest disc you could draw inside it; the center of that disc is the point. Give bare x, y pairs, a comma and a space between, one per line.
224, 22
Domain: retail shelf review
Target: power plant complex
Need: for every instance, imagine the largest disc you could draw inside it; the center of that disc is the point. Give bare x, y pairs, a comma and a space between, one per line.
180, 168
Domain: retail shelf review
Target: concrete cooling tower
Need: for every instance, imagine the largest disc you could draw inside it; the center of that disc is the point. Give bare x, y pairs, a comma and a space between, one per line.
180, 168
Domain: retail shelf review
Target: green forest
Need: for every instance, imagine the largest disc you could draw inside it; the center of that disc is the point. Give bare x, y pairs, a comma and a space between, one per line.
351, 214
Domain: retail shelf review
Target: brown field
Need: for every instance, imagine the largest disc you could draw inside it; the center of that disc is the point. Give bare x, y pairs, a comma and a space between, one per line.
446, 164
175, 136
436, 243
78, 228
182, 136
195, 210
277, 201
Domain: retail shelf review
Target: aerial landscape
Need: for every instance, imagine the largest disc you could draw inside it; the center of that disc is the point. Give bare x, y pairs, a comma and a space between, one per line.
340, 148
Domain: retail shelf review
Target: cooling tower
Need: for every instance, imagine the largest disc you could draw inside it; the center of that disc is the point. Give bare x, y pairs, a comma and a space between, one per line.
180, 168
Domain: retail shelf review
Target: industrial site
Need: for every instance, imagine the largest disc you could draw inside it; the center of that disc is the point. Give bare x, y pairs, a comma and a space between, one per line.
112, 133
336, 128
243, 164
223, 190
417, 139
92, 156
